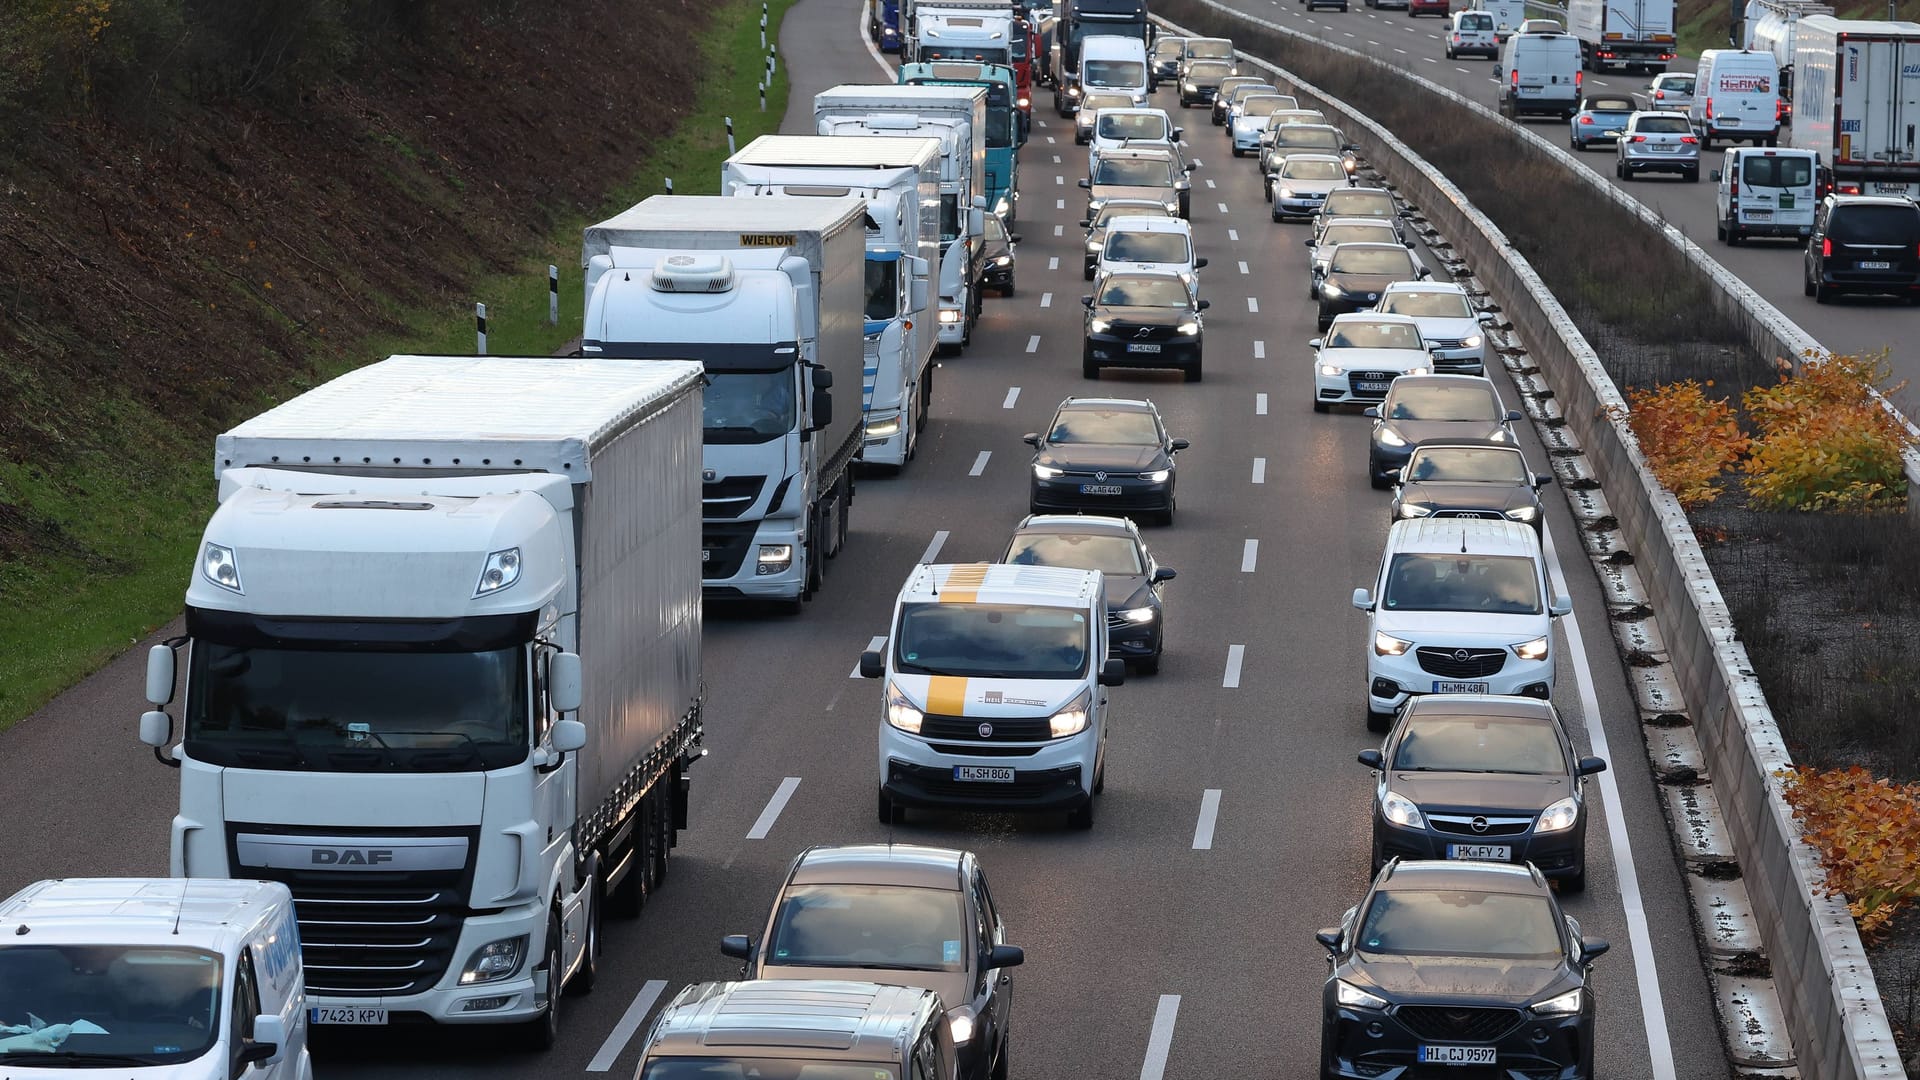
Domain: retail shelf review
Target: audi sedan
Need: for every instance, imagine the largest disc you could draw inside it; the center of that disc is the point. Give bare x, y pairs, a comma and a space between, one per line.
1362, 355
1144, 320
1451, 964
1431, 408
1111, 545
1107, 455
1658, 142
1483, 480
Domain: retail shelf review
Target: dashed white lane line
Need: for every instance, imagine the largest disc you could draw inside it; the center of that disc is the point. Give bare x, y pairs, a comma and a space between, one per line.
1209, 811
1033, 345
1234, 235
1259, 470
630, 1022
1013, 392
1059, 204
1249, 555
771, 814
1236, 654
1049, 140
933, 552
1253, 305
1160, 1040
1349, 33
1046, 299
1223, 208
1259, 404
1429, 59
1056, 159
1059, 230
1210, 182
1058, 179
879, 641
1197, 161
1053, 262
1259, 350
1402, 52
980, 463
1463, 71
1243, 267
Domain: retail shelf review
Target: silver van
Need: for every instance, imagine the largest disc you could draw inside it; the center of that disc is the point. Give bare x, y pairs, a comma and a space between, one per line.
1763, 191
788, 1029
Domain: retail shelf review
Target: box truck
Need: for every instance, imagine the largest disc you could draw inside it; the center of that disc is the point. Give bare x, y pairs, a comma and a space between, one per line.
1623, 33
957, 116
1857, 101
766, 294
900, 179
443, 675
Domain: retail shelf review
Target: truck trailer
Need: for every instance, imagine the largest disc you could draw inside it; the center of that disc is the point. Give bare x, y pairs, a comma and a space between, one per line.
1623, 33
1857, 102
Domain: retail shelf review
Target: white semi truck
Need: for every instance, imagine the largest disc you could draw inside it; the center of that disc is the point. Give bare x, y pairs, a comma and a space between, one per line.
1856, 102
443, 675
768, 295
957, 116
900, 180
1623, 33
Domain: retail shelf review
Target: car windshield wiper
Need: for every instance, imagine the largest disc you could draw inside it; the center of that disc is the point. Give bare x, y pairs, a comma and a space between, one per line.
1438, 768
73, 1057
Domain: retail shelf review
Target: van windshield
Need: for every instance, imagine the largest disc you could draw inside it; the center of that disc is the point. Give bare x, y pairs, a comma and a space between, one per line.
763, 1068
995, 641
131, 1006
1149, 126
1778, 172
1114, 73
1495, 584
1147, 247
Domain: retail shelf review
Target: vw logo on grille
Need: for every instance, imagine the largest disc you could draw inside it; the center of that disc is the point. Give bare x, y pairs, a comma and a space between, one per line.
1099, 476
1478, 824
1462, 655
709, 475
986, 731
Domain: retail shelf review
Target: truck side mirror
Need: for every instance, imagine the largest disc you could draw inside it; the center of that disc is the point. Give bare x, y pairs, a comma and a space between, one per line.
917, 291
160, 675
563, 681
269, 1035
156, 729
568, 736
822, 408
1113, 672
822, 379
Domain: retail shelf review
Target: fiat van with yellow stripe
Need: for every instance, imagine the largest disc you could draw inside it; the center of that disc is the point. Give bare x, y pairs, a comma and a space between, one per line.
995, 692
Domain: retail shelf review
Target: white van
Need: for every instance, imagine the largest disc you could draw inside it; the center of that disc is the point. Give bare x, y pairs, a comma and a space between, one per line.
996, 690
1736, 98
1765, 192
1110, 64
1149, 245
177, 978
1539, 76
1460, 606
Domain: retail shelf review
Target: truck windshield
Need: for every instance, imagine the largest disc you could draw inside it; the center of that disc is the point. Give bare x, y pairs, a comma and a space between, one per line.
972, 54
992, 641
749, 406
356, 710
107, 1006
759, 1068
883, 288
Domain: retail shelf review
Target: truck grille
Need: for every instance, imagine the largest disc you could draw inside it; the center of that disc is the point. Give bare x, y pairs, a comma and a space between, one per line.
1461, 663
730, 497
1467, 1023
723, 547
376, 942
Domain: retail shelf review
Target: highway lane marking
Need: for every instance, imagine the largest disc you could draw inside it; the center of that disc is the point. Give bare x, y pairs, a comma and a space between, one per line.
980, 463
1059, 204
1160, 1040
933, 552
1058, 179
1013, 392
1235, 654
1053, 262
1233, 235
630, 1020
1210, 182
1431, 60
1259, 470
1259, 350
1402, 52
1046, 299
771, 814
1209, 811
1223, 208
879, 641
1056, 159
1043, 123
1349, 33
1249, 555
1057, 230
1243, 267
872, 51
1033, 345
1652, 1009
1049, 138
1463, 71
1259, 404
1253, 305
1196, 161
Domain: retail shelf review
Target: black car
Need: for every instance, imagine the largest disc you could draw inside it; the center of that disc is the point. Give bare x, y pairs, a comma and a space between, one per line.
1164, 57
1111, 545
1201, 81
1422, 408
1143, 320
1361, 202
1864, 244
1108, 455
1358, 273
1469, 480
1448, 964
1485, 778
996, 256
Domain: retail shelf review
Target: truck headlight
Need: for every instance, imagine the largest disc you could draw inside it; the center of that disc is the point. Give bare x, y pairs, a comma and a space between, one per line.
1531, 650
218, 565
773, 558
494, 961
1071, 720
502, 569
902, 713
1400, 810
884, 428
949, 315
1385, 644
1566, 1004
1559, 817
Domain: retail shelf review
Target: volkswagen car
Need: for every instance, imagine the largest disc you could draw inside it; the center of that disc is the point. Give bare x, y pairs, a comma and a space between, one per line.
1304, 182
1108, 455
1601, 118
1112, 545
1657, 142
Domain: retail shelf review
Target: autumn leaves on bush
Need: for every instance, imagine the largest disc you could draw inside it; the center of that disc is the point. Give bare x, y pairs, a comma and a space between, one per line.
1817, 439
1867, 831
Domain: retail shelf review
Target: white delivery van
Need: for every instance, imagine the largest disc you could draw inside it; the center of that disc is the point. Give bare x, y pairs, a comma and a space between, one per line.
1539, 75
1110, 64
1765, 192
176, 978
1736, 97
996, 690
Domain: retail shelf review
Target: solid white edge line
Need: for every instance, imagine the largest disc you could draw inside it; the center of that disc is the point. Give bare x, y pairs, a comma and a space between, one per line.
933, 551
874, 644
1209, 812
980, 463
764, 823
1236, 654
636, 1013
1652, 1010
1160, 1039
1249, 556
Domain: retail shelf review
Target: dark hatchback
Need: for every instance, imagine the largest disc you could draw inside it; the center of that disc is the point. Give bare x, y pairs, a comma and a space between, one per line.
1143, 320
1483, 778
1136, 617
1864, 244
1483, 480
996, 256
1108, 455
1423, 408
1358, 273
1458, 970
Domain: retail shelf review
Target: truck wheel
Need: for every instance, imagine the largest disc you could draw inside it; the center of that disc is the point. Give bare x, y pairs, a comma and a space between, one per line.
584, 979
661, 855
543, 1031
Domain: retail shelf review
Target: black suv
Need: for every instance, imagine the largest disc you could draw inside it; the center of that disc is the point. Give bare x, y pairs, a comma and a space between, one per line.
1864, 244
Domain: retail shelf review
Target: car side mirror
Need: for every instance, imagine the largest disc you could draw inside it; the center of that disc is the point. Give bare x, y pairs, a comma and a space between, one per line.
1592, 949
1013, 238
1513, 416
1306, 243
1193, 167
1423, 272
1178, 445
1393, 475
568, 736
1351, 148
1408, 244
1086, 183
1371, 411
1032, 439
1316, 343
1485, 317
1404, 212
872, 664
1164, 573
1113, 672
1086, 223
1590, 765
1372, 759
738, 946
1363, 599
1203, 305
1200, 263
1005, 956
1541, 480
1714, 176
1561, 605
1329, 940
268, 1037
1179, 132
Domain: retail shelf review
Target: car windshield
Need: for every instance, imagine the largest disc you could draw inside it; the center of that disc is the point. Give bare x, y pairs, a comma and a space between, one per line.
1867, 224
1434, 922
1476, 21
1169, 49
1297, 168
1505, 744
1454, 464
1372, 260
883, 288
1113, 73
748, 406
1304, 137
1358, 334
764, 1068
1147, 247
860, 926
1438, 304
1663, 125
1141, 292
1600, 104
1131, 126
1448, 401
1777, 172
1095, 102
1262, 105
1283, 117
132, 1005
1495, 584
1682, 83
1208, 70
1220, 47
1134, 172
1105, 427
1361, 202
1335, 235
1104, 552
998, 641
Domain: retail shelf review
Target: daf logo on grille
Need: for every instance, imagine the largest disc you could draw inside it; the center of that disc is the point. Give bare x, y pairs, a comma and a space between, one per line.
986, 731
351, 856
1462, 655
1099, 476
1478, 824
709, 475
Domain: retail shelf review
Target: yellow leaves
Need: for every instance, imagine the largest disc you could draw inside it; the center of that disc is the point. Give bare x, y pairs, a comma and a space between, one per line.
1689, 439
1867, 834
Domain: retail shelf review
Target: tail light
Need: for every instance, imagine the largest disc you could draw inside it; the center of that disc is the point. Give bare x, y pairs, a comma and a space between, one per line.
1779, 110
1688, 139
1659, 95
1516, 78
1577, 76
1585, 119
1826, 247
1709, 108
1639, 138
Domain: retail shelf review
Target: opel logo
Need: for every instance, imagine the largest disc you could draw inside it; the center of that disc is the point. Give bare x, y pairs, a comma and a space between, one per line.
1478, 824
1462, 655
1099, 476
709, 475
986, 731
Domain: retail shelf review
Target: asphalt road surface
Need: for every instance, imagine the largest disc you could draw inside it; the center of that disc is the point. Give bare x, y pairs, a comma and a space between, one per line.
1163, 925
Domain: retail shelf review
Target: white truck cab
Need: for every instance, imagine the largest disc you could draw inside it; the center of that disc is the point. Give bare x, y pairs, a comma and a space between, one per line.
995, 692
152, 977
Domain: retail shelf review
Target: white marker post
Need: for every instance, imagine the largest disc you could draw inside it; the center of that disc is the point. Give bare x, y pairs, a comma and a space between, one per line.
731, 149
480, 329
669, 185
553, 295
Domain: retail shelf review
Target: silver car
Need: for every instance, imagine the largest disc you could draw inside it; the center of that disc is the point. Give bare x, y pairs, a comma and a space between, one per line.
1247, 120
1670, 91
1303, 182
1658, 142
1090, 107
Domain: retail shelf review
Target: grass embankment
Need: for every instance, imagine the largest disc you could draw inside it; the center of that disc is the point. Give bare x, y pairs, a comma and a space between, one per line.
108, 547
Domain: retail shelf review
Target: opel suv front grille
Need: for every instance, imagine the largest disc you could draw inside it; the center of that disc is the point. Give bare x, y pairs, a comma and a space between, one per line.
1461, 663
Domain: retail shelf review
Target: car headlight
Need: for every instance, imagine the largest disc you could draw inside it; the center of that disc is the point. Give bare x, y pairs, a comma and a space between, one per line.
1417, 371
1559, 817
961, 1024
1385, 644
1157, 476
1003, 260
1328, 288
949, 315
1073, 91
1389, 437
1400, 810
773, 558
1096, 246
1414, 510
1352, 997
494, 961
1094, 206
1025, 102
1330, 369
1173, 206
1286, 193
1138, 615
1566, 1004
1188, 87
1471, 341
1045, 472
1189, 328
1531, 650
1099, 326
902, 713
1524, 513
1071, 720
1000, 207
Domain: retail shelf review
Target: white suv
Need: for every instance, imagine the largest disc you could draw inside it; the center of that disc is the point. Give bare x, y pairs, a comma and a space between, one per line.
1460, 606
